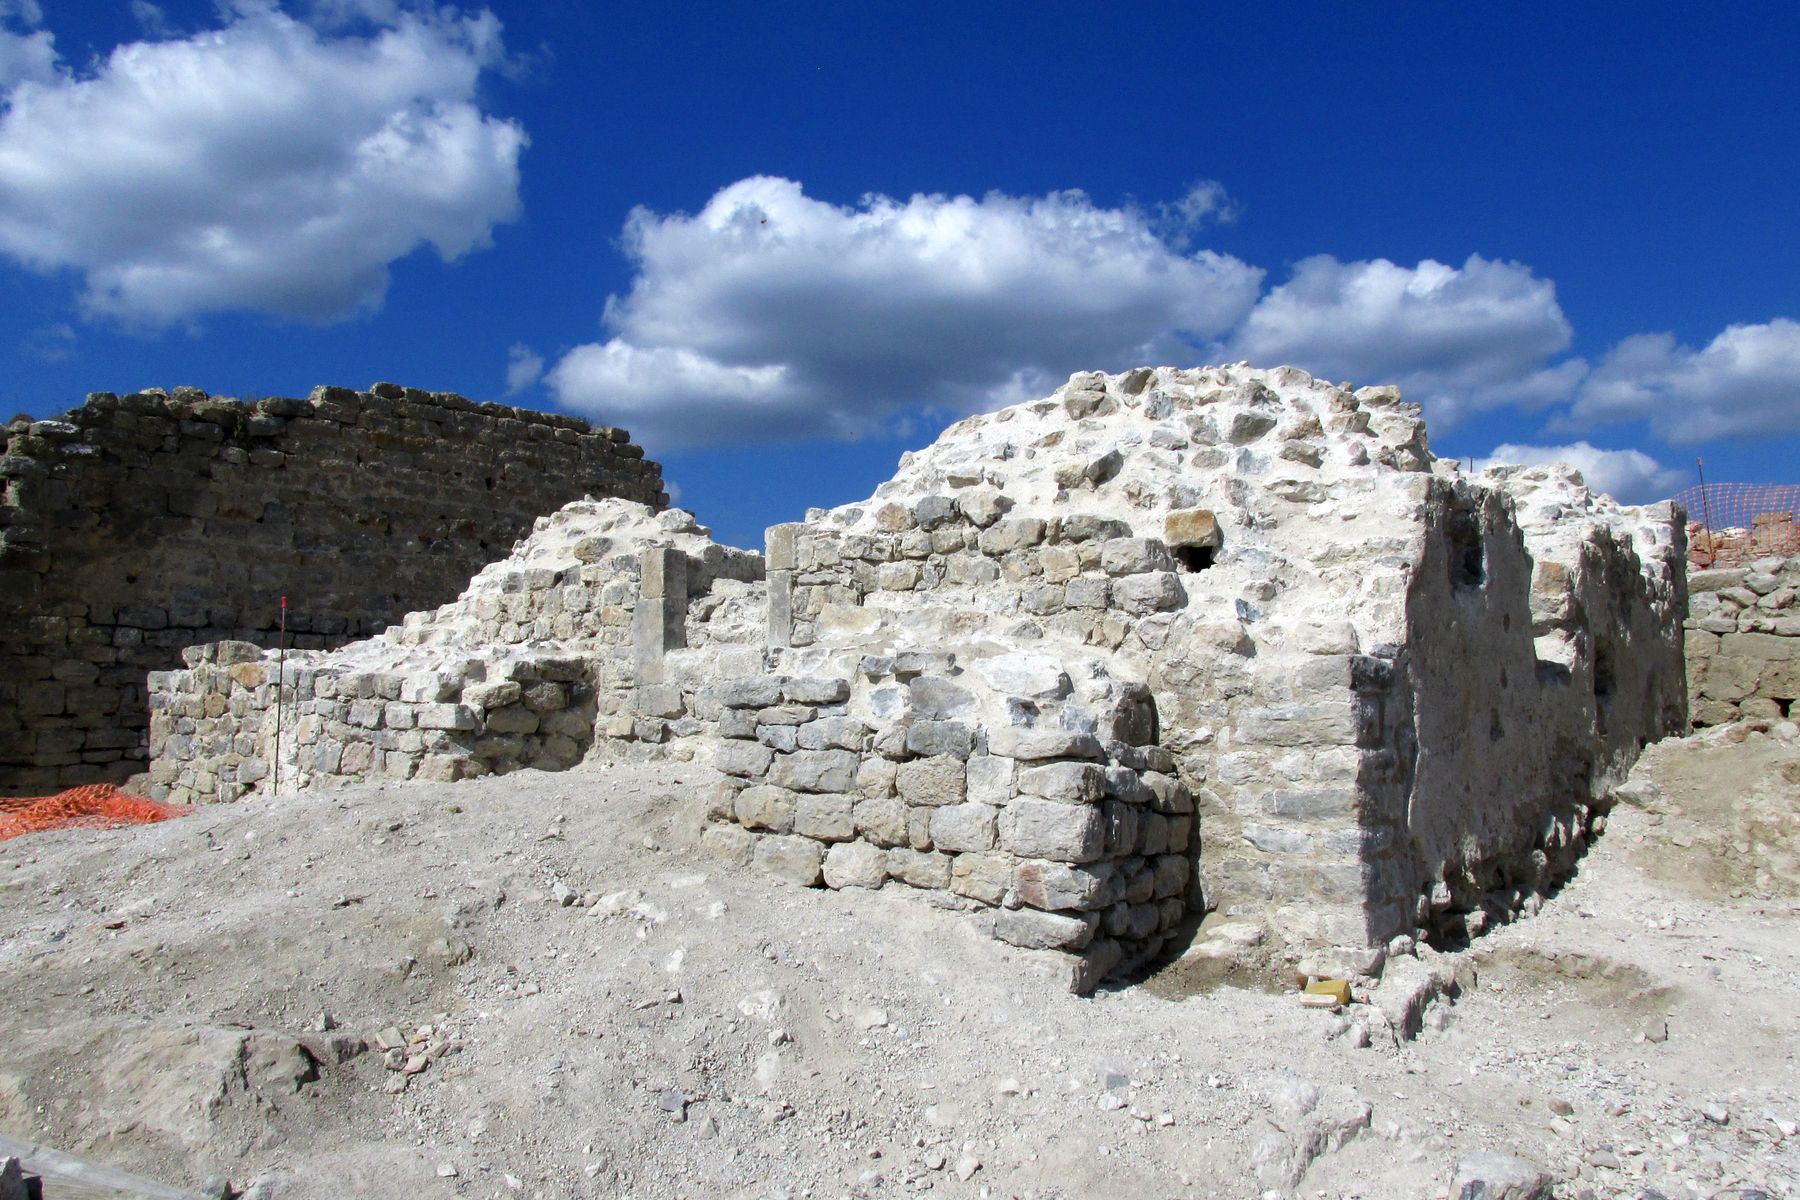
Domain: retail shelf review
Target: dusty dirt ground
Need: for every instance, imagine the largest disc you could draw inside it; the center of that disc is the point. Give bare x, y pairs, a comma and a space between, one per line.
189, 1001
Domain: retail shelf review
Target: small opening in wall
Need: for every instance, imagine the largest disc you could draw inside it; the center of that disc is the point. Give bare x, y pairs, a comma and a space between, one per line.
1468, 568
1194, 558
1604, 683
490, 482
1786, 708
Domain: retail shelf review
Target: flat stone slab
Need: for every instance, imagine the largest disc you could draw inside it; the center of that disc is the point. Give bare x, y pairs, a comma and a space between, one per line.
71, 1177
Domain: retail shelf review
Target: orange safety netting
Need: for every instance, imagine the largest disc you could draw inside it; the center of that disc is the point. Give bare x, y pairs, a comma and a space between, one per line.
1734, 523
96, 806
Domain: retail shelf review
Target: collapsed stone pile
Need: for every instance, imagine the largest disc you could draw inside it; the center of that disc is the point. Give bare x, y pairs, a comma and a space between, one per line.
1743, 642
1165, 640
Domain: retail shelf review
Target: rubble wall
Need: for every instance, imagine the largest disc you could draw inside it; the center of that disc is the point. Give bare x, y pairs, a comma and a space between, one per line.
558, 644
1743, 642
137, 525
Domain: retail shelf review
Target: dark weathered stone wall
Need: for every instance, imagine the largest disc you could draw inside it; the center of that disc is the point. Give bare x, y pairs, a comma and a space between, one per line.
137, 525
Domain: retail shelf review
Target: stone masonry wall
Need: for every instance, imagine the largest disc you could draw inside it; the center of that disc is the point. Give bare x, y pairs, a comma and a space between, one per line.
558, 644
137, 525
1743, 642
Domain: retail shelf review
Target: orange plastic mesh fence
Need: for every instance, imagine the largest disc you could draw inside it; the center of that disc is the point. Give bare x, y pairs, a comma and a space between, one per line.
1733, 523
97, 806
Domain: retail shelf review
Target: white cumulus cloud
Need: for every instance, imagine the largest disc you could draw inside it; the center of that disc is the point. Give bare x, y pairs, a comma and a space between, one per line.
524, 367
1744, 383
1629, 476
771, 314
27, 53
261, 165
1456, 339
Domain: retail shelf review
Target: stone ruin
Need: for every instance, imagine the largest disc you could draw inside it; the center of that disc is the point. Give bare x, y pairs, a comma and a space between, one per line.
1743, 642
140, 524
1164, 642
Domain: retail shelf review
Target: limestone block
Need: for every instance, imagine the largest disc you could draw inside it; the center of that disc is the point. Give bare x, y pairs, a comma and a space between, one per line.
1035, 675
983, 877
766, 807
727, 844
1034, 930
815, 770
1765, 646
963, 827
1781, 680
989, 779
940, 738
650, 700
828, 733
516, 720
983, 505
762, 691
778, 540
742, 758
881, 820
780, 738
446, 716
1196, 527
786, 714
1055, 885
1330, 723
932, 511
934, 781
1072, 833
919, 868
876, 776
1039, 744
1729, 677
796, 859
1064, 782
1153, 833
1132, 556
492, 695
1141, 595
936, 698
825, 817
1121, 828
855, 864
815, 689
1713, 712
1170, 796
1011, 534
1090, 527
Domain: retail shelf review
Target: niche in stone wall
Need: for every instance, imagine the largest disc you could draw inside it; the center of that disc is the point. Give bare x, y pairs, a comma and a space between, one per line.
1467, 557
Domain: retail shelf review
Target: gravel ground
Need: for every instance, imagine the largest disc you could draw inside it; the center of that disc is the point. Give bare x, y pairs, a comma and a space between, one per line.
579, 1004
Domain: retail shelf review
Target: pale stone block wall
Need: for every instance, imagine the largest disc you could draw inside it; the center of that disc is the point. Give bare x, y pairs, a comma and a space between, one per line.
1743, 642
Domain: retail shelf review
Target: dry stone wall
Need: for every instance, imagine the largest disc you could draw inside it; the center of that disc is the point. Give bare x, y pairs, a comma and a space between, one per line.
141, 524
1743, 642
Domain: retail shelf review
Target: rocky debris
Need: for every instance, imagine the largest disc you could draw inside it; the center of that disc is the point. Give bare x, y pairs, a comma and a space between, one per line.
686, 988
1487, 1176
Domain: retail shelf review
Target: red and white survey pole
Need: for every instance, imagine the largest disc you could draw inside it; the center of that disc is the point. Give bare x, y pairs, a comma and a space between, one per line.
280, 679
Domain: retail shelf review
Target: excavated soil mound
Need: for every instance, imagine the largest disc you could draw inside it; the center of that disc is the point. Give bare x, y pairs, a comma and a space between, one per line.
96, 806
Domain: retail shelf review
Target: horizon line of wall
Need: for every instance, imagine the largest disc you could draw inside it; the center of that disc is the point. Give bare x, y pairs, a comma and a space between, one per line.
137, 525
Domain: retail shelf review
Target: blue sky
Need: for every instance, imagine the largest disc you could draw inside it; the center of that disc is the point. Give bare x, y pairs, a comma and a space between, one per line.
783, 243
